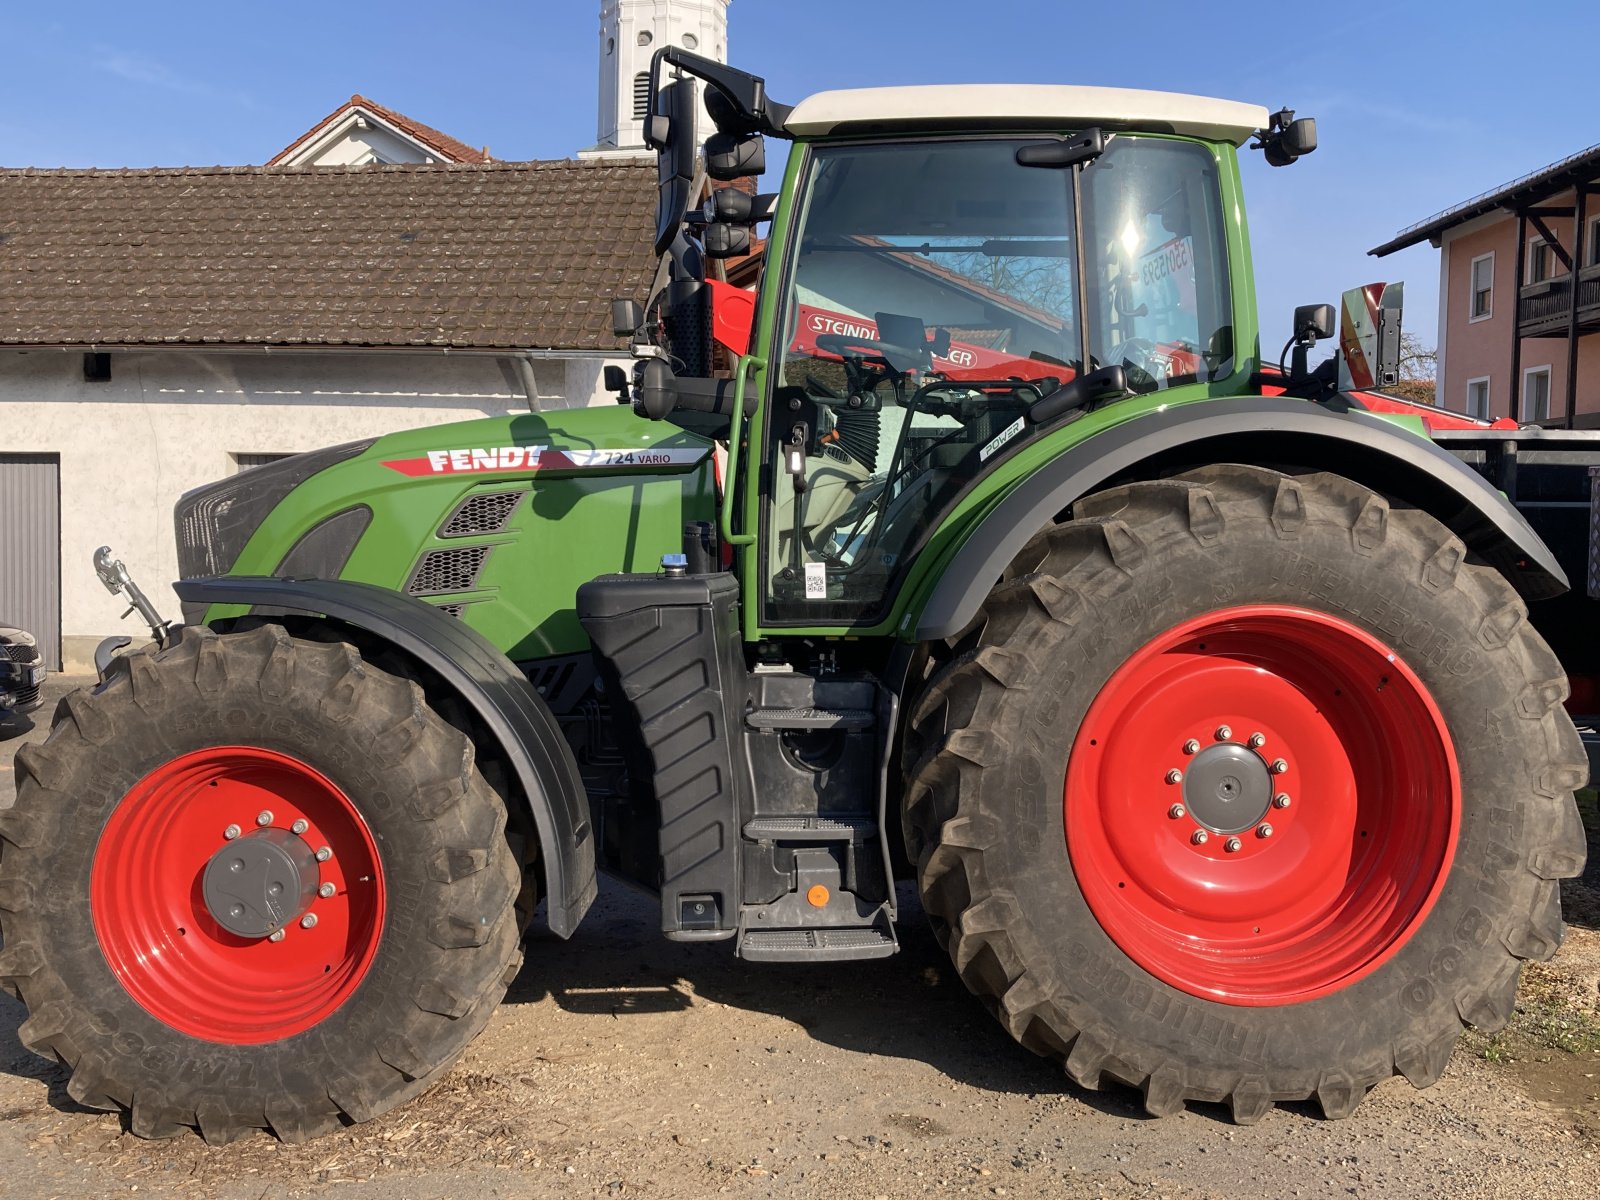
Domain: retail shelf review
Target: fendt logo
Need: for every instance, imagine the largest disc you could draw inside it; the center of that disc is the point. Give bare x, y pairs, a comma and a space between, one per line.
477, 461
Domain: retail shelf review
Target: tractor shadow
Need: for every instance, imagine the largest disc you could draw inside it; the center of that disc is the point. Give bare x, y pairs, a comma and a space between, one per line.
911, 1005
20, 1063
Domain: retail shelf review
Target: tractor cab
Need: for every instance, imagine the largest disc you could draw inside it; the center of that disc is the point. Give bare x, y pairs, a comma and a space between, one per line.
954, 275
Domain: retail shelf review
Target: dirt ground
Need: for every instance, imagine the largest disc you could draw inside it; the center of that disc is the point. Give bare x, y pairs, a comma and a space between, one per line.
622, 1065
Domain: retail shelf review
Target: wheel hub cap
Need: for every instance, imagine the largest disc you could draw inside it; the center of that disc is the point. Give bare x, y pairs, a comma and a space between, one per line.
257, 884
1227, 788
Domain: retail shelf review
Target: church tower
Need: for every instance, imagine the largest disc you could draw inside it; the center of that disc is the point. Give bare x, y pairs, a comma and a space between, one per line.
631, 31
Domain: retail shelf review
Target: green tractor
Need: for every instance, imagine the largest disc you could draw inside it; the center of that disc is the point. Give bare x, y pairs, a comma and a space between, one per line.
1201, 704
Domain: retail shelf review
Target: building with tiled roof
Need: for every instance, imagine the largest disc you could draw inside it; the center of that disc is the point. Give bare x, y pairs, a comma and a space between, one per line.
361, 132
496, 256
163, 328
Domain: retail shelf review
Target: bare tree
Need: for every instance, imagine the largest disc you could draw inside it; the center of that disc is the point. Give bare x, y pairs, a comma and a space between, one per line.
1418, 363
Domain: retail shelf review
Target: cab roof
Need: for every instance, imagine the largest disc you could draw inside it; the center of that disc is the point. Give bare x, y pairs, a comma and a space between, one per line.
1023, 106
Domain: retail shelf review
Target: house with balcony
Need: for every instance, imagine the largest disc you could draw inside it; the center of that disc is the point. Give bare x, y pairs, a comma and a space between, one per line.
1519, 296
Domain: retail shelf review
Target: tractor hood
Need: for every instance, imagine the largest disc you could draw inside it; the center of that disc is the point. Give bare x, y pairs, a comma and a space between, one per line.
497, 521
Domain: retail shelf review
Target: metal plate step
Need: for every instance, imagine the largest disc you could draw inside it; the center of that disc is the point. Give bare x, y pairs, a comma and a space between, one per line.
816, 945
809, 718
810, 829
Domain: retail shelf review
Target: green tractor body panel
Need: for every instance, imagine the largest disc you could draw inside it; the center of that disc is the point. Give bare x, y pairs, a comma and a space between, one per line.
566, 496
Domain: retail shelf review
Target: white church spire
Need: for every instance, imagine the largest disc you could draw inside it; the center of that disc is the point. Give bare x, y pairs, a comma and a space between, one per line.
631, 31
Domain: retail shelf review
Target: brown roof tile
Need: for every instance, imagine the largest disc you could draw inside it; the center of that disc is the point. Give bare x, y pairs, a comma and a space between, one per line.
442, 144
496, 255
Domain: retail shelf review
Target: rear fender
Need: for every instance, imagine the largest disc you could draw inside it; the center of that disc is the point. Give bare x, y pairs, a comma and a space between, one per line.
486, 680
1286, 435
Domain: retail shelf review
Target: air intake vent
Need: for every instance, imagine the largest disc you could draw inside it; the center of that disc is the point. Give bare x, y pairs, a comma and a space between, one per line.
485, 513
447, 570
641, 95
20, 653
454, 610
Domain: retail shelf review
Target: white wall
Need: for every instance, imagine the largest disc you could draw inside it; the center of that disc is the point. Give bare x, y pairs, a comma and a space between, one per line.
352, 146
168, 422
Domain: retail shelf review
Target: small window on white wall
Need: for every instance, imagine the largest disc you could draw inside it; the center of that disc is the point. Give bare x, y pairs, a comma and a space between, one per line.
1481, 303
243, 462
1536, 394
1478, 398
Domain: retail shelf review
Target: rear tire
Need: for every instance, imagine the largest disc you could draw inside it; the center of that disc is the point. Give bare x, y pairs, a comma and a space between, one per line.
130, 980
1047, 904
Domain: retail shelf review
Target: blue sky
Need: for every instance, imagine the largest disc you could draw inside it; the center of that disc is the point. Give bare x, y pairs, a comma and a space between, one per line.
1419, 105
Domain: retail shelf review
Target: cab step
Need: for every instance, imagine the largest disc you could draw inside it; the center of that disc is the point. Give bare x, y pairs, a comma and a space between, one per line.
842, 828
817, 945
848, 719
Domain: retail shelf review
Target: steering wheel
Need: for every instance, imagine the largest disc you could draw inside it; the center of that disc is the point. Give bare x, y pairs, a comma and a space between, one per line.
891, 354
1139, 356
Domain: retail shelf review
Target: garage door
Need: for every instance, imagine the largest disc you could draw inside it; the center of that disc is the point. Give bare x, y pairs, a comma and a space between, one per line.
30, 548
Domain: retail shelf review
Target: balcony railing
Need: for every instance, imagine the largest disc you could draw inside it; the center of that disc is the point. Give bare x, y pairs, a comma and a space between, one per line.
1543, 308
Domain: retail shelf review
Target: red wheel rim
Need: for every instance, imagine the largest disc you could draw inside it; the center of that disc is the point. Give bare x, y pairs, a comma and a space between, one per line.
1342, 873
162, 942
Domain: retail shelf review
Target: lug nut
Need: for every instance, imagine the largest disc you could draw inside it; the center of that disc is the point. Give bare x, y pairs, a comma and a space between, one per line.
1174, 776
1257, 740
326, 890
1223, 733
1281, 800
309, 921
1191, 747
276, 937
231, 832
1199, 837
1232, 845
1263, 830
264, 817
324, 854
1176, 812
1279, 766
299, 826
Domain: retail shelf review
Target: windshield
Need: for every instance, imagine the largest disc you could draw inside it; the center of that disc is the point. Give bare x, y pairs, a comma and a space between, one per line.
936, 298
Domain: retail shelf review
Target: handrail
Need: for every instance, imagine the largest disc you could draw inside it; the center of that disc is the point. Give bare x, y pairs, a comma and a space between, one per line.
741, 373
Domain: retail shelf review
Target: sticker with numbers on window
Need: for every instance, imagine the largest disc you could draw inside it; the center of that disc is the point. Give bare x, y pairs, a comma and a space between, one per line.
816, 581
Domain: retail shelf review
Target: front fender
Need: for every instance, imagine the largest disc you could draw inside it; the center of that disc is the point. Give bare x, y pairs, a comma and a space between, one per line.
502, 699
1289, 435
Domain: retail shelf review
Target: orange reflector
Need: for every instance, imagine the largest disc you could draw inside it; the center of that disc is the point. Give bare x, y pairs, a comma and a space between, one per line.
817, 896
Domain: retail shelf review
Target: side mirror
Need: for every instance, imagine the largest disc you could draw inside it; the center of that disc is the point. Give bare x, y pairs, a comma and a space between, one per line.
671, 131
1313, 323
726, 241
626, 317
732, 157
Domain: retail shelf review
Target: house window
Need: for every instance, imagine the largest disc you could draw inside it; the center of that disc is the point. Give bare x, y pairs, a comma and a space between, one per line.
1541, 261
1591, 243
1536, 394
243, 462
1482, 300
1478, 398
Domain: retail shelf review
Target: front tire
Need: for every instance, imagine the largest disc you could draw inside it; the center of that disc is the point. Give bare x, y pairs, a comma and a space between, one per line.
1097, 832
390, 932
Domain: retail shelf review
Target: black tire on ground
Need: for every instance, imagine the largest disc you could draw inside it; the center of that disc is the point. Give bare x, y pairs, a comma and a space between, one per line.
993, 729
448, 944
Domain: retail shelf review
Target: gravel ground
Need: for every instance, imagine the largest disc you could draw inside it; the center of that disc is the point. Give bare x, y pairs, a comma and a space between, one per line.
623, 1065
